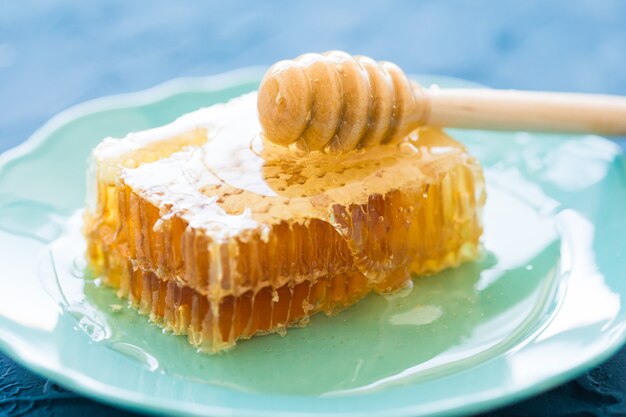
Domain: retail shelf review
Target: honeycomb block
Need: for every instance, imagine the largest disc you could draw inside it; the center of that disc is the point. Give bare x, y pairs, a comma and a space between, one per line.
225, 236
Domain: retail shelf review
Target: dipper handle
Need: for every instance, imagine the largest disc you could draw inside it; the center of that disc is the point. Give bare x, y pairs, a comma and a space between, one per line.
525, 110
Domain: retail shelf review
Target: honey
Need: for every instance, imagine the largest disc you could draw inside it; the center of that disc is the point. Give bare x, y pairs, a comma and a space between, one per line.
225, 236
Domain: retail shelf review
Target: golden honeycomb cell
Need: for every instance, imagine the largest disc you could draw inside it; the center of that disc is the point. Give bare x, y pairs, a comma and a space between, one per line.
227, 236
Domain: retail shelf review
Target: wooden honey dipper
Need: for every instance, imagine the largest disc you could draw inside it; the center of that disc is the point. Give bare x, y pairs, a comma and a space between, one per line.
335, 102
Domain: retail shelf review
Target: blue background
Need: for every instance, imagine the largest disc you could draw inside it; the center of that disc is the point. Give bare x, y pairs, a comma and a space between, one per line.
57, 54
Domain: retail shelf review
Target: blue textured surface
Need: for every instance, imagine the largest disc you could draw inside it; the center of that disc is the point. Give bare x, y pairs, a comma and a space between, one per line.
57, 54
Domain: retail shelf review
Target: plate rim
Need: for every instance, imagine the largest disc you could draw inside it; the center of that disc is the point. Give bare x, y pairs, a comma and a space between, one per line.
140, 402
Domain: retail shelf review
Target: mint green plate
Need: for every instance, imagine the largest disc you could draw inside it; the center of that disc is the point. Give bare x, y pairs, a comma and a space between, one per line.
542, 305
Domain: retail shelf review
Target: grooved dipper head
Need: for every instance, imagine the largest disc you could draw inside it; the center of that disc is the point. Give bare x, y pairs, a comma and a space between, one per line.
334, 102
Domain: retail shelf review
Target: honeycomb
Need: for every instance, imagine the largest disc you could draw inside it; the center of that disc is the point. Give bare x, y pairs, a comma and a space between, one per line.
225, 236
